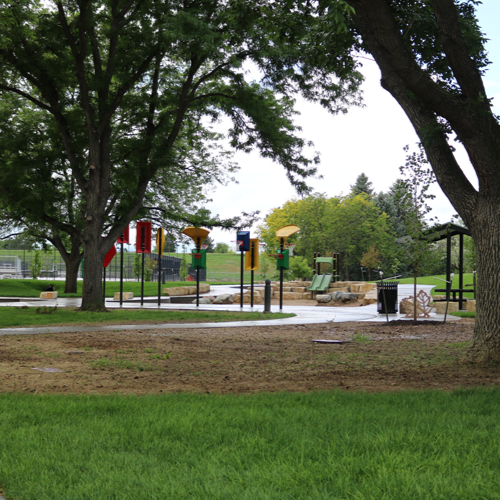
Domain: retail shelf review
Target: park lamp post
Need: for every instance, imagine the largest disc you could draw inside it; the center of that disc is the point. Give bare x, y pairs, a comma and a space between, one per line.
198, 235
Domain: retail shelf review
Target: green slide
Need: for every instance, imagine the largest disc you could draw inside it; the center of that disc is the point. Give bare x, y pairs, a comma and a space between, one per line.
321, 283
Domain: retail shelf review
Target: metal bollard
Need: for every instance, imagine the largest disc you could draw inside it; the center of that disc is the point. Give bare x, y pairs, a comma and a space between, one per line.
267, 297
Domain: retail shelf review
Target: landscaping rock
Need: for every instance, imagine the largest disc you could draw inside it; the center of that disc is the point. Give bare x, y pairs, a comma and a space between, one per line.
336, 296
126, 296
323, 299
186, 290
471, 305
290, 295
48, 295
441, 307
344, 297
295, 289
203, 300
225, 298
257, 298
406, 307
349, 297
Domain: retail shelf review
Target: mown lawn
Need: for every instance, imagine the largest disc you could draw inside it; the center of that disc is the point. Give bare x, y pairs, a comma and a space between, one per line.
430, 280
329, 445
33, 288
11, 317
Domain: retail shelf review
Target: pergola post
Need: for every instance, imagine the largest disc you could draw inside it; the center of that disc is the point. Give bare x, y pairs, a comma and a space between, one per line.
461, 272
448, 262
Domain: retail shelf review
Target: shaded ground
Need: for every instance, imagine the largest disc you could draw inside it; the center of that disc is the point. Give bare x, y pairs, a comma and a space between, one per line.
375, 357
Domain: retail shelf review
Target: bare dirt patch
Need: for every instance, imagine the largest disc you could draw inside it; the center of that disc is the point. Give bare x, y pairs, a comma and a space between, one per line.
374, 357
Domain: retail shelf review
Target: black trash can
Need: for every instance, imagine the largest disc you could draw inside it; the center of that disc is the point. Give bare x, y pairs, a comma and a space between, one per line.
389, 290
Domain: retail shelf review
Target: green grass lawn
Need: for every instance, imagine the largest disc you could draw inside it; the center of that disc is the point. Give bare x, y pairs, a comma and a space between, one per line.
10, 317
33, 288
331, 445
430, 280
226, 266
464, 314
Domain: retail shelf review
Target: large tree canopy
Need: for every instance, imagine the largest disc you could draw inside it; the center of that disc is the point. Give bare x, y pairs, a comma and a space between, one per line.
349, 225
432, 59
119, 90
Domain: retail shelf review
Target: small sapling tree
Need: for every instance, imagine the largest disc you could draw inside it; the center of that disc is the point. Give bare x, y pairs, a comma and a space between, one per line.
370, 260
266, 265
150, 266
417, 179
184, 269
137, 266
36, 265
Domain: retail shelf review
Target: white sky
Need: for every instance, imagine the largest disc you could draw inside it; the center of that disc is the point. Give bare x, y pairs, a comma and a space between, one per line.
369, 140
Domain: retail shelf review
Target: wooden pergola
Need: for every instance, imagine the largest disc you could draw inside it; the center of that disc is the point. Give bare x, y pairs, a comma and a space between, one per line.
446, 232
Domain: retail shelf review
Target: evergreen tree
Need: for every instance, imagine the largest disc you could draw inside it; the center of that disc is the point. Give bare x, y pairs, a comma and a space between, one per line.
390, 204
210, 242
362, 185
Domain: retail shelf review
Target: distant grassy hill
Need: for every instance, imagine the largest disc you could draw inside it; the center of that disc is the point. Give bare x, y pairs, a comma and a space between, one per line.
224, 267
219, 262
32, 288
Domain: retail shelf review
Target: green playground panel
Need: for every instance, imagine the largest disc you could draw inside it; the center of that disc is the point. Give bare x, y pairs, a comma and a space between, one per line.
324, 260
321, 283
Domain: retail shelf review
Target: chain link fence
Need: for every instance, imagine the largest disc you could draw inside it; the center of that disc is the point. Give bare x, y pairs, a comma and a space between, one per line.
17, 264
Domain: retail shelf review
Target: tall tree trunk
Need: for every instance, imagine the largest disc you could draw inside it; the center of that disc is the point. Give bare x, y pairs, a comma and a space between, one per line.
92, 299
94, 247
426, 103
71, 283
71, 259
486, 234
415, 293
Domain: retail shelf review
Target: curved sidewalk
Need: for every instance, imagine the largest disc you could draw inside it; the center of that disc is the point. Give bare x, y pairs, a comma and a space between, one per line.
303, 315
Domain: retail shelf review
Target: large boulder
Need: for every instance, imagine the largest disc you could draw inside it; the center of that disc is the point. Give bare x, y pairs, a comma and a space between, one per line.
186, 290
203, 300
441, 307
323, 299
225, 298
344, 297
406, 307
257, 298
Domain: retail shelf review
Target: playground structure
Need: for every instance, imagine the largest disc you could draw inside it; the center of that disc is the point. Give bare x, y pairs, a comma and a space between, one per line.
321, 282
198, 235
283, 260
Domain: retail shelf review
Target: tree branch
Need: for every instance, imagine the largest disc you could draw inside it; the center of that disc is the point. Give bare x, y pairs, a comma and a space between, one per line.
35, 101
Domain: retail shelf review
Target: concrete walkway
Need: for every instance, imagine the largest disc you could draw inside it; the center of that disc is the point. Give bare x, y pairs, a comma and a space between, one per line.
303, 314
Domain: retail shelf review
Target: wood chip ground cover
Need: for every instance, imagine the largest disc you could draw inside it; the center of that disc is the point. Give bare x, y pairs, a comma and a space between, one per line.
380, 357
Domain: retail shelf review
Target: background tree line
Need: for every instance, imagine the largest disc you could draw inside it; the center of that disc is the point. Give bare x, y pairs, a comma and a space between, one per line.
368, 229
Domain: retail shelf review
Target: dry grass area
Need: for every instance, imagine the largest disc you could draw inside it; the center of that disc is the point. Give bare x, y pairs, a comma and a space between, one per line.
373, 357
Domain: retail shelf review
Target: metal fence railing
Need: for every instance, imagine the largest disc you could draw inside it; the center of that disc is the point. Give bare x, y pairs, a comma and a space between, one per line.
17, 264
